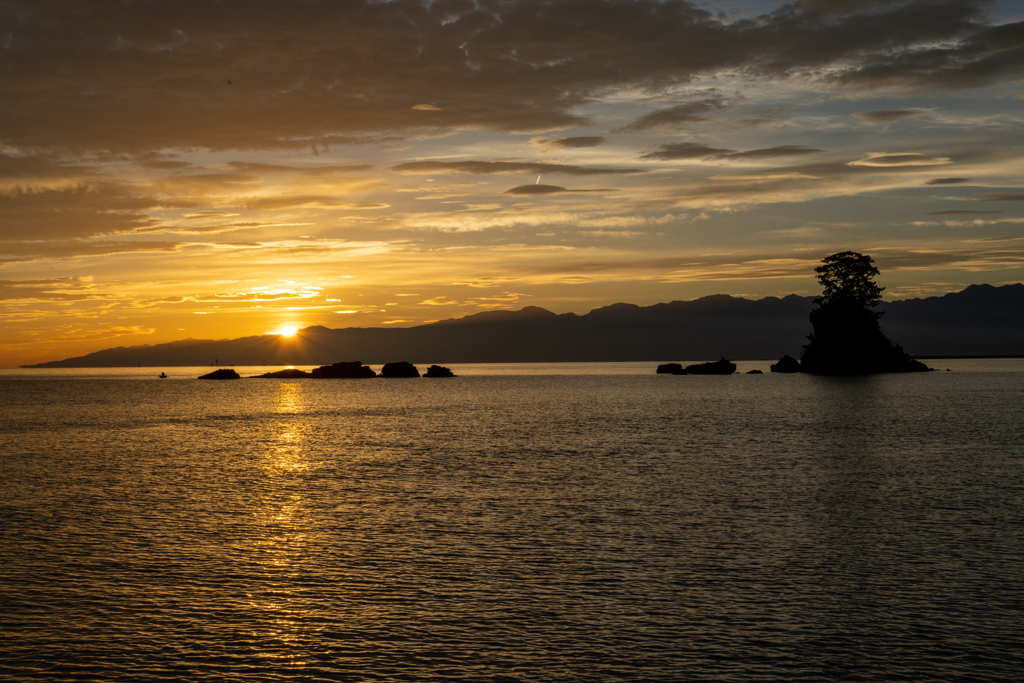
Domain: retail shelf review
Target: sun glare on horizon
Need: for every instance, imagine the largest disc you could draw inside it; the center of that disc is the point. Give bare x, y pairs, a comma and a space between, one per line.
287, 331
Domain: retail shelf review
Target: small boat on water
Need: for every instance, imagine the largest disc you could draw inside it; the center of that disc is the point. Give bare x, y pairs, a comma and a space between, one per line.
163, 375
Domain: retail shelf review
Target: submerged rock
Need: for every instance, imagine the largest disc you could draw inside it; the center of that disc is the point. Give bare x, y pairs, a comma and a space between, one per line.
670, 369
755, 372
438, 371
786, 364
287, 373
399, 369
224, 373
345, 370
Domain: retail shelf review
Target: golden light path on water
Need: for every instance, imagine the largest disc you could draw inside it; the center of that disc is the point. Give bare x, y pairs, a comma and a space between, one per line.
571, 526
285, 538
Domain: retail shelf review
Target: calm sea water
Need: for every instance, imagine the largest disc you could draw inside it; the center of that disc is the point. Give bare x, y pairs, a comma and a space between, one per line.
567, 522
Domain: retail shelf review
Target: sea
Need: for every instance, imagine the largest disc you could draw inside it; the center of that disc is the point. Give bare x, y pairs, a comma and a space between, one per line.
519, 522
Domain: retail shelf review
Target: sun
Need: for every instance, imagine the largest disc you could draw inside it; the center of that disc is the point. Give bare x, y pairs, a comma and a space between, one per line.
287, 331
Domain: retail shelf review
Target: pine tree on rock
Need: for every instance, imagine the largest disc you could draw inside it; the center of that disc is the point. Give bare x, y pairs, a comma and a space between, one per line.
847, 339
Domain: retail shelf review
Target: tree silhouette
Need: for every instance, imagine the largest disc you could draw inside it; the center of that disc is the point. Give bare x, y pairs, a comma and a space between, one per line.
847, 339
848, 275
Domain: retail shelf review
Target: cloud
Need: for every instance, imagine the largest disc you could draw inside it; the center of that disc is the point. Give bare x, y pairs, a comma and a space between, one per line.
914, 159
98, 206
674, 118
999, 197
971, 54
210, 214
166, 165
772, 152
889, 116
538, 189
62, 249
49, 289
259, 294
960, 212
685, 150
691, 150
947, 181
569, 143
409, 68
492, 167
254, 167
307, 202
535, 189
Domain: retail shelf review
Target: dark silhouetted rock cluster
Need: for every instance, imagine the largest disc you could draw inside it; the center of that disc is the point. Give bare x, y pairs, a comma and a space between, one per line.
786, 364
438, 371
223, 373
356, 370
719, 367
400, 369
345, 370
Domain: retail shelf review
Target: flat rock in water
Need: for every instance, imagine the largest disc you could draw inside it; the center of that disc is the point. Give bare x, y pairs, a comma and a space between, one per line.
344, 370
399, 369
670, 369
438, 371
287, 373
719, 367
224, 373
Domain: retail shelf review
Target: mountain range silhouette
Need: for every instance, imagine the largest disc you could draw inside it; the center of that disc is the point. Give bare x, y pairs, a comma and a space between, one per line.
981, 320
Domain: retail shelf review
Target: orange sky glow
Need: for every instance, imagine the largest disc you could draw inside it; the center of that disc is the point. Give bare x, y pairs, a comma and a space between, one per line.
183, 169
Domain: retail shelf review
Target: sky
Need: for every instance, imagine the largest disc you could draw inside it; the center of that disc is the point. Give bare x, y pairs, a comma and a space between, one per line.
178, 169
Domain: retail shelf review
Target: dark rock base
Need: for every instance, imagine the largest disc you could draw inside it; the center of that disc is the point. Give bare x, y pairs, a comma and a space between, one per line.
224, 373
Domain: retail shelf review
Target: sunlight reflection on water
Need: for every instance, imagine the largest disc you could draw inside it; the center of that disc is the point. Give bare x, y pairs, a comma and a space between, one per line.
514, 527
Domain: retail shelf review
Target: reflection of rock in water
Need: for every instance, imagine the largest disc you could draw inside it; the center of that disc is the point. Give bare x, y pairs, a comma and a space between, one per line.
438, 371
346, 370
400, 369
848, 340
224, 373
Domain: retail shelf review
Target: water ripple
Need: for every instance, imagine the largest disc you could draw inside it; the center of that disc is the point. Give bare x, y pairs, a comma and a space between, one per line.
513, 529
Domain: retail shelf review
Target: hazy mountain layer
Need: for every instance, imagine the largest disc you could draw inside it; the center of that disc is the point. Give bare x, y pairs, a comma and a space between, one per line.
980, 320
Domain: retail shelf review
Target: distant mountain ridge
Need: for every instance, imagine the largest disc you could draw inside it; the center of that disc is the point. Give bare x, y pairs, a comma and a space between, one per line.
980, 320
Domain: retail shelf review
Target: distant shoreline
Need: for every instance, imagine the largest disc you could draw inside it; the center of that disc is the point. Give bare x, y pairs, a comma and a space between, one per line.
555, 362
1017, 355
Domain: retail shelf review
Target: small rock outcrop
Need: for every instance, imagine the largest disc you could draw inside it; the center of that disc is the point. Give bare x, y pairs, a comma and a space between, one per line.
755, 372
223, 373
287, 373
438, 371
719, 367
345, 370
399, 369
786, 364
